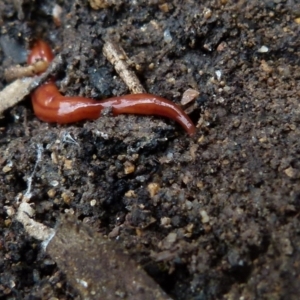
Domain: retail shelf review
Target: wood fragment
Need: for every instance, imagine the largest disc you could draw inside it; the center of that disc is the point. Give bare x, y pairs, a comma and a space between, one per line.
18, 71
18, 89
118, 58
14, 93
97, 267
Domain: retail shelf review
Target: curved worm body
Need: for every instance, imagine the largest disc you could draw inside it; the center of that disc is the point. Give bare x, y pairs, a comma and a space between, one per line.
50, 106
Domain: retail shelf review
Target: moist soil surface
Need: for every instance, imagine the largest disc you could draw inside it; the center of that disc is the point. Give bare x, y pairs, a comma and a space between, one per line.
212, 216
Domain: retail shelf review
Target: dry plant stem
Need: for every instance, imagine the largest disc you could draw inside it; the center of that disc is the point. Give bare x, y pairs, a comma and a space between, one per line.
117, 57
16, 91
16, 72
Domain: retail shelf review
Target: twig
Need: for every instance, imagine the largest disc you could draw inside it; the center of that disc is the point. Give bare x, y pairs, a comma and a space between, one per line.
17, 90
16, 72
14, 93
117, 57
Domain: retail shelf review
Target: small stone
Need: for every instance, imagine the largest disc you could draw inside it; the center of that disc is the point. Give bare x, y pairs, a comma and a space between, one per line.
265, 67
121, 157
129, 167
221, 47
188, 205
98, 4
93, 202
207, 13
67, 197
54, 183
10, 211
151, 66
270, 82
165, 221
218, 74
201, 139
115, 232
167, 36
135, 156
200, 185
164, 7
205, 217
7, 222
263, 49
56, 14
291, 172
153, 189
51, 193
188, 96
226, 88
171, 238
6, 169
263, 139
130, 194
54, 158
68, 164
190, 228
138, 67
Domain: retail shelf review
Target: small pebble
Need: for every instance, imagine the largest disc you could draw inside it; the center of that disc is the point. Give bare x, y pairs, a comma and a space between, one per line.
171, 238
167, 36
263, 49
51, 193
153, 189
207, 13
93, 202
67, 197
165, 221
164, 7
204, 215
291, 172
188, 96
130, 194
265, 67
218, 74
6, 169
68, 164
128, 167
56, 13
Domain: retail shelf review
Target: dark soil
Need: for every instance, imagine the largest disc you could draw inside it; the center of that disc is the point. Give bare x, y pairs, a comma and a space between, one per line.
224, 220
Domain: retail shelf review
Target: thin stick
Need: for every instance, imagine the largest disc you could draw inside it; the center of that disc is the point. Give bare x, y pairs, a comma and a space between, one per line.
18, 89
14, 93
16, 72
118, 58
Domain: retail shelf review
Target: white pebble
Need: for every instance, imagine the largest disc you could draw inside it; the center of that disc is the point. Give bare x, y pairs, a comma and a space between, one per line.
263, 49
